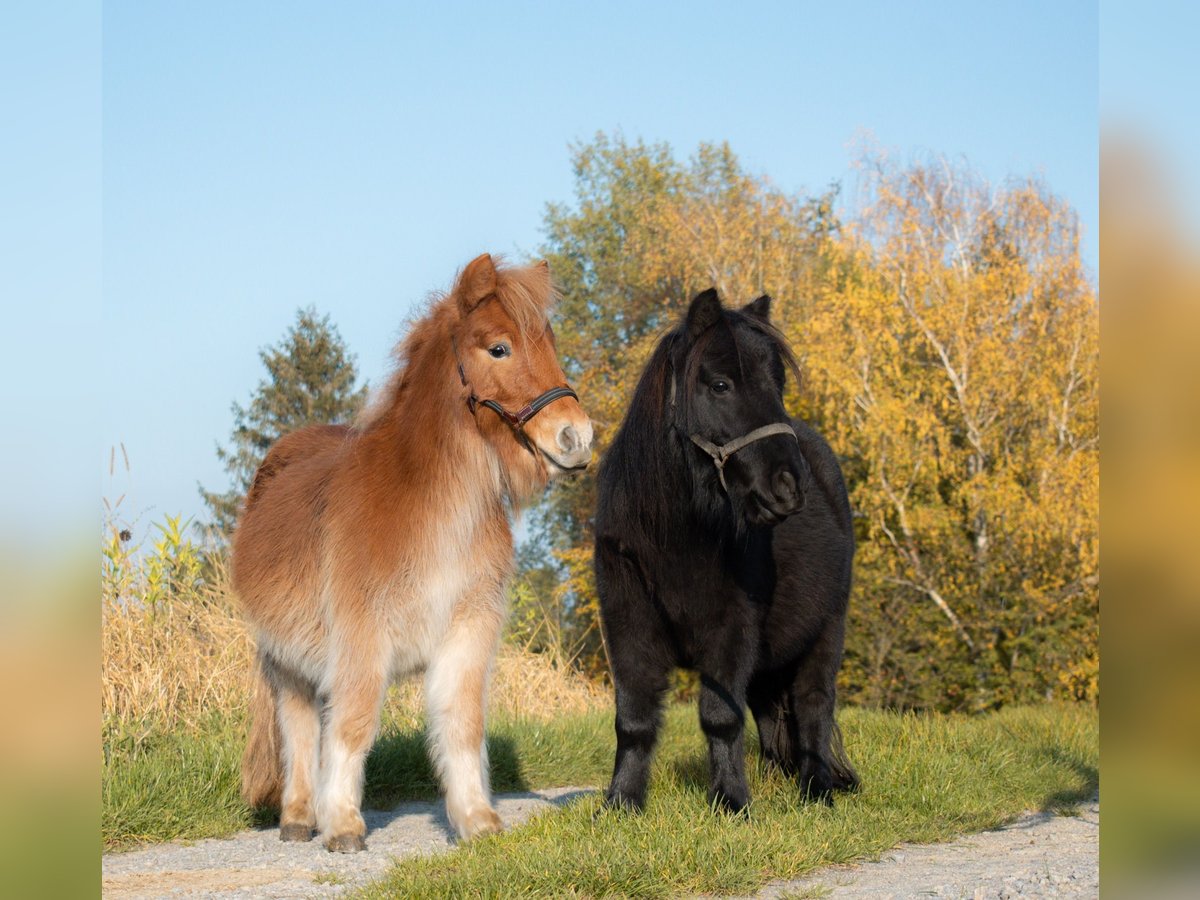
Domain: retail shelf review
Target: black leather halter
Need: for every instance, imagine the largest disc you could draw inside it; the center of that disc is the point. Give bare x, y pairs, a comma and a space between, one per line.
516, 420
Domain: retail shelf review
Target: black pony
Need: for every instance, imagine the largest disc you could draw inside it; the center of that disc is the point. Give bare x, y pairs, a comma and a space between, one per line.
724, 544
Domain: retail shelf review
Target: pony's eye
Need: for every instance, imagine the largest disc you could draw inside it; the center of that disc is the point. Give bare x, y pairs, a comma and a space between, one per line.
499, 351
720, 387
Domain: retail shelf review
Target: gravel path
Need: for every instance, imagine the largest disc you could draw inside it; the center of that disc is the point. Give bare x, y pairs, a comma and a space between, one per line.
1039, 855
257, 864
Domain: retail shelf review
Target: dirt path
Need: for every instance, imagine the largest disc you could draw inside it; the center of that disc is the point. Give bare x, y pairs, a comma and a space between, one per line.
1039, 855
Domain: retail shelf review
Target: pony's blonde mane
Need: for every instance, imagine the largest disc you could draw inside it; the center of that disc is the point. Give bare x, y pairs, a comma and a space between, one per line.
526, 294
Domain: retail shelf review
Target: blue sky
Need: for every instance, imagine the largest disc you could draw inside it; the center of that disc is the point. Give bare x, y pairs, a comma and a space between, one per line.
1149, 82
50, 270
260, 157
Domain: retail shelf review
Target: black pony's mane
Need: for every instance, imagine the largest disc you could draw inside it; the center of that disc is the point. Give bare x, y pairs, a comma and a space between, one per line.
665, 399
649, 455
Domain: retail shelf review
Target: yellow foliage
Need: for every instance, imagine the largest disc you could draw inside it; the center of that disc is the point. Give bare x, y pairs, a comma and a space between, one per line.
955, 356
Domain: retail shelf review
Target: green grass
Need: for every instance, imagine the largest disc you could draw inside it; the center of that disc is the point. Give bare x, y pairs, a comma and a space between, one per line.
925, 778
172, 786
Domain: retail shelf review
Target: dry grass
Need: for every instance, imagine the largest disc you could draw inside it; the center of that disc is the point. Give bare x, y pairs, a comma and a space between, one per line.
171, 664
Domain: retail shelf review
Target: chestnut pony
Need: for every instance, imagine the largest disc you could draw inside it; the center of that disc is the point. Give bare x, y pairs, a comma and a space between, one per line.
369, 552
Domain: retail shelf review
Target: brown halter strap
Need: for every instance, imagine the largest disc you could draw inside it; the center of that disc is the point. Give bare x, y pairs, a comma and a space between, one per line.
516, 420
721, 454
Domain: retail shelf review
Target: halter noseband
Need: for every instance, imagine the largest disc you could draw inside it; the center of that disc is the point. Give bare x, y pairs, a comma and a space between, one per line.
722, 453
516, 420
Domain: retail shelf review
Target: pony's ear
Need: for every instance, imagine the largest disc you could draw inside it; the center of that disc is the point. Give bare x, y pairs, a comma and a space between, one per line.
476, 283
760, 308
703, 313
542, 269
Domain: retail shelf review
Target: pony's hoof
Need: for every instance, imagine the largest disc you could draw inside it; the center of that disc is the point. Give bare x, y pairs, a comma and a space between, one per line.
733, 802
481, 822
817, 786
295, 831
623, 803
346, 843
847, 784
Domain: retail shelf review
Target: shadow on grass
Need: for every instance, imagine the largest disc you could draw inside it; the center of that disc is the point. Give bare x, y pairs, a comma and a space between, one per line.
399, 769
1066, 802
690, 773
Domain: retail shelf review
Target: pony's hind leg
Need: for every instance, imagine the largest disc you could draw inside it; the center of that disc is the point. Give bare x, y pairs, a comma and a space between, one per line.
455, 687
769, 700
350, 723
300, 727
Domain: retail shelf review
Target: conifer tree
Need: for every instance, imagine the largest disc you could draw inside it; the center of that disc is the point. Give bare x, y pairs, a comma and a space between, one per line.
311, 379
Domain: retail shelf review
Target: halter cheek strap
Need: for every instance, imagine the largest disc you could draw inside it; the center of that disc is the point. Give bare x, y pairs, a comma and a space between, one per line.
721, 454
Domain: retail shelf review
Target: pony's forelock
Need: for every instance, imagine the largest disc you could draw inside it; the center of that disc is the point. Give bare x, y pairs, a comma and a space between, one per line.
730, 319
780, 343
527, 295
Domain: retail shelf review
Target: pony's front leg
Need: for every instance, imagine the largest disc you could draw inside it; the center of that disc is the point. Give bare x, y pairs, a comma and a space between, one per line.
455, 687
640, 656
351, 722
724, 678
722, 718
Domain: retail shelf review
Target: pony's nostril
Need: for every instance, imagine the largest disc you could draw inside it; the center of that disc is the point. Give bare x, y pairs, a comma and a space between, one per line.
785, 486
568, 439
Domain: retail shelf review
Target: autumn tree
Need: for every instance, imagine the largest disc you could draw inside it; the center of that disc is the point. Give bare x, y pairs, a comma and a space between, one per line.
311, 379
949, 342
952, 353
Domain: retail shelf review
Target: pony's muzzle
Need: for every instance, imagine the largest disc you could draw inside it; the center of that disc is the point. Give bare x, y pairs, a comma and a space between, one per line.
572, 447
782, 496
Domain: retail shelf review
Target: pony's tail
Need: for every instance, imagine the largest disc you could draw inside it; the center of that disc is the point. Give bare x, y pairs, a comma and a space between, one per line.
844, 776
262, 764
